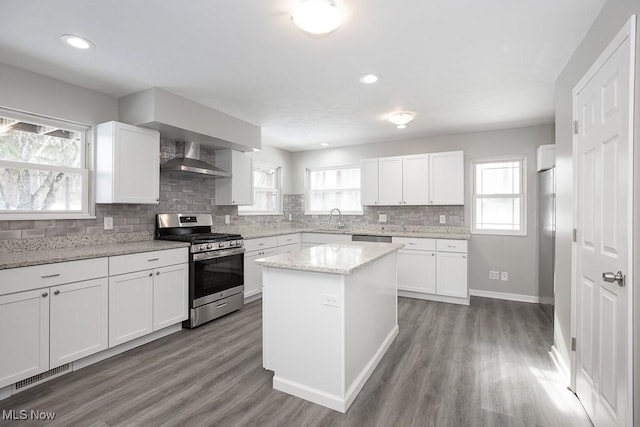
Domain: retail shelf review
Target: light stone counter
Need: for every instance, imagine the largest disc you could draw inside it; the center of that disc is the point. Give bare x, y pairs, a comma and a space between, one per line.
50, 256
455, 233
336, 258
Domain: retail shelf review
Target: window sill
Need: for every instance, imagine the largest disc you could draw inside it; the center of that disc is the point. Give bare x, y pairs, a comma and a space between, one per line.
500, 233
39, 216
240, 213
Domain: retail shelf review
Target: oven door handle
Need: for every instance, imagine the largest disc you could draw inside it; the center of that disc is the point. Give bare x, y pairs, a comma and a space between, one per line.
217, 254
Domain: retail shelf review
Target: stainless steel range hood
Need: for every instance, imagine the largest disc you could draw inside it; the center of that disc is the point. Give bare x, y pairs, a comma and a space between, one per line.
192, 165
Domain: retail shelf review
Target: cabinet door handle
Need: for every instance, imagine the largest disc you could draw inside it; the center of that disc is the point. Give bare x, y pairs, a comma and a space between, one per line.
47, 276
56, 292
464, 256
45, 294
260, 244
157, 273
153, 259
150, 274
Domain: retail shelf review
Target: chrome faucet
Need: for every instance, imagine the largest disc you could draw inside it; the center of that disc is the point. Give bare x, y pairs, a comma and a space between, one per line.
340, 224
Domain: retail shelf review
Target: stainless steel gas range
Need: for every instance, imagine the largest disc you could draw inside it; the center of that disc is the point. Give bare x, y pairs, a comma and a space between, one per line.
216, 265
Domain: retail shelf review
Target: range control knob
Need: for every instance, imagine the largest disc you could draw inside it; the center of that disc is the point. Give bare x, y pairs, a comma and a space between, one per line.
232, 243
203, 247
210, 246
221, 245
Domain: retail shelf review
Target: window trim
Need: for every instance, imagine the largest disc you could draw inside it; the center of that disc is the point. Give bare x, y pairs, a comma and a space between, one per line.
87, 168
280, 210
522, 195
307, 199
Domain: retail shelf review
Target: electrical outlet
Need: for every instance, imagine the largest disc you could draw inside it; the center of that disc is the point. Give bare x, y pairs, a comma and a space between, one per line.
494, 275
443, 219
382, 217
331, 300
227, 219
290, 217
108, 223
504, 276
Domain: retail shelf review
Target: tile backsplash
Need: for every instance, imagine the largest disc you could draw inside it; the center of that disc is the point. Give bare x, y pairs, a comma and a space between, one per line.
189, 194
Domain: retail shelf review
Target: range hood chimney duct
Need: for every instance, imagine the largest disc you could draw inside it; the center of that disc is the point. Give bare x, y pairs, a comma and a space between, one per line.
191, 164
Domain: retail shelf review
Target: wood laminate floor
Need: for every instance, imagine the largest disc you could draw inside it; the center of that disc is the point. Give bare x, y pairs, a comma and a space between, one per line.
483, 365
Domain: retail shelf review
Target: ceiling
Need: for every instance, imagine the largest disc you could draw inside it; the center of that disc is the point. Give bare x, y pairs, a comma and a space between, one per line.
461, 65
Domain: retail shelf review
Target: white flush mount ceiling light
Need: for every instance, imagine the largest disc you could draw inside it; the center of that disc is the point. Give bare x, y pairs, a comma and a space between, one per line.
324, 144
368, 79
317, 17
401, 118
76, 41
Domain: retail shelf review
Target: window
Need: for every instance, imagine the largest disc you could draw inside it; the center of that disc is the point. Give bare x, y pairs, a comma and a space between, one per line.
329, 188
44, 172
499, 196
267, 198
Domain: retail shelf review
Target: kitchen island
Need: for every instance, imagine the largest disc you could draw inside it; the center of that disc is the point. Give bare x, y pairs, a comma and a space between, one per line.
329, 315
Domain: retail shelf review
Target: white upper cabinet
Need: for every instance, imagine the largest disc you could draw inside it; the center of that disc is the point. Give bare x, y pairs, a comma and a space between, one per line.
128, 164
237, 190
369, 182
390, 181
419, 179
446, 178
415, 179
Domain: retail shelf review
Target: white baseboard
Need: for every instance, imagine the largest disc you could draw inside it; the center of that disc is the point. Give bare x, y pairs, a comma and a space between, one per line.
252, 297
433, 297
332, 401
547, 300
504, 295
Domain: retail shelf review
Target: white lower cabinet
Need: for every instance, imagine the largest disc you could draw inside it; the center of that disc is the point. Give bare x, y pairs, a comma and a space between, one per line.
145, 301
78, 320
253, 272
433, 269
289, 248
24, 334
130, 306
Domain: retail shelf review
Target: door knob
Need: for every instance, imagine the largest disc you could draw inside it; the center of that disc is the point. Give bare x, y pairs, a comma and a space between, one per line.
610, 277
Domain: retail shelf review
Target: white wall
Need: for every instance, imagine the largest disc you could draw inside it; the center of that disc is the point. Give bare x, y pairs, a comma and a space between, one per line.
276, 157
517, 255
35, 93
611, 19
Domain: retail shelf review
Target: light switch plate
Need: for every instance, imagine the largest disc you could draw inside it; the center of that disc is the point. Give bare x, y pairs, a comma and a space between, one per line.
290, 217
382, 217
443, 219
331, 300
494, 275
227, 219
108, 223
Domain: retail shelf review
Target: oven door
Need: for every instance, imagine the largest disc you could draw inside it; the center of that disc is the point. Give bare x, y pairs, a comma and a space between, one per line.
216, 274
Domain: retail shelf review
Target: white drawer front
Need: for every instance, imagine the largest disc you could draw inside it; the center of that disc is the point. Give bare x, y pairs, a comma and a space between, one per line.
288, 239
451, 245
288, 248
122, 264
416, 243
41, 276
322, 238
261, 243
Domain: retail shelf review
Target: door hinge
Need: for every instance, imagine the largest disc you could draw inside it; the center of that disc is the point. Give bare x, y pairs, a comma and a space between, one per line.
575, 127
575, 235
573, 344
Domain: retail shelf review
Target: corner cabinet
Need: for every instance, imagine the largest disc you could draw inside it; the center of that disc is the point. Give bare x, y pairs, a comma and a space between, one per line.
237, 190
128, 164
414, 180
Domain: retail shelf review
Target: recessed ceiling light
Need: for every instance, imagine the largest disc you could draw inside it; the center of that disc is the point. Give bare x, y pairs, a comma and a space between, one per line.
76, 41
368, 79
317, 17
324, 144
400, 118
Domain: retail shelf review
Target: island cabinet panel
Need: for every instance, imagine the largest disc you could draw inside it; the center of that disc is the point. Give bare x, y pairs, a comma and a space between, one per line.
79, 320
24, 334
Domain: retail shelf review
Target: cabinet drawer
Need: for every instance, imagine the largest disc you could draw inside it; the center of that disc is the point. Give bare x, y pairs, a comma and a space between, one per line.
261, 243
288, 239
122, 264
288, 248
451, 245
40, 276
416, 243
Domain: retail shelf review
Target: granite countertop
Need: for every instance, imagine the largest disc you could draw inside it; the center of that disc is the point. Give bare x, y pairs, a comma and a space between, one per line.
254, 234
50, 256
336, 258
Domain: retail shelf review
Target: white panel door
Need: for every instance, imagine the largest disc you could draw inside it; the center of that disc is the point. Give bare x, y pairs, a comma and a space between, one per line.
390, 181
451, 276
369, 182
253, 271
446, 178
415, 179
130, 306
417, 271
137, 165
603, 244
79, 320
170, 295
24, 334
